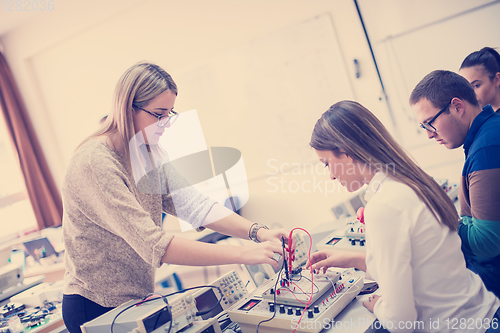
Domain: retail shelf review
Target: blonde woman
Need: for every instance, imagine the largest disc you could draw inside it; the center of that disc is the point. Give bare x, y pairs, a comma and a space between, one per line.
412, 245
112, 229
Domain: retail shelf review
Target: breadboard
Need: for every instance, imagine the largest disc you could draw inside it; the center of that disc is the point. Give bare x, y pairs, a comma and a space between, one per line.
298, 290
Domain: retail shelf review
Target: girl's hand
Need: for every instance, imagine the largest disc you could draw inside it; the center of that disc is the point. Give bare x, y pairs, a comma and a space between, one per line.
371, 302
273, 235
332, 258
263, 253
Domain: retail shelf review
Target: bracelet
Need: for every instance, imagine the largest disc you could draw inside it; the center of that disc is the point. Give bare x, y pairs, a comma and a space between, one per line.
252, 232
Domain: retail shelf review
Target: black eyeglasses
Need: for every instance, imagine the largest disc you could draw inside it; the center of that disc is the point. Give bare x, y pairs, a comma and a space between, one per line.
162, 120
427, 125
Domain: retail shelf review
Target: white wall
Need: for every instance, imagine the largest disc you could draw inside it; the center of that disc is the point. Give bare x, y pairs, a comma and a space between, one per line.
67, 63
413, 38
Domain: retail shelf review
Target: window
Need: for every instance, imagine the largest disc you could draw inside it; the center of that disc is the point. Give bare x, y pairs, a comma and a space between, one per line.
16, 213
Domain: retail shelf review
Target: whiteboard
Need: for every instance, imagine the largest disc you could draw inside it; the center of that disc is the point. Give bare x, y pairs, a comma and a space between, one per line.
279, 86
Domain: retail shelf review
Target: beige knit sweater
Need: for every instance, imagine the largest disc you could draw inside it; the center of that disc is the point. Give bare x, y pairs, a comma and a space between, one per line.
112, 231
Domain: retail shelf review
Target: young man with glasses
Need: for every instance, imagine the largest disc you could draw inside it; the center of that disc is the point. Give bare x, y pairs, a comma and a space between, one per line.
447, 108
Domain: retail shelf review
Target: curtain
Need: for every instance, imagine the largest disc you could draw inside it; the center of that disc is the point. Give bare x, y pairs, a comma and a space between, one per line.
42, 191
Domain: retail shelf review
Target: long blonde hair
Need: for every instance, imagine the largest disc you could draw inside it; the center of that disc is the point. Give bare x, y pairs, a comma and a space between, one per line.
351, 128
136, 88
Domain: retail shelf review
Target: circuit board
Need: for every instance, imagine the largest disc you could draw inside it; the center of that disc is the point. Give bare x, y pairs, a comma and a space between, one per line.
297, 290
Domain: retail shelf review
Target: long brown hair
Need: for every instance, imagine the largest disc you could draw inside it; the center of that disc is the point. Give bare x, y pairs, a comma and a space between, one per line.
351, 128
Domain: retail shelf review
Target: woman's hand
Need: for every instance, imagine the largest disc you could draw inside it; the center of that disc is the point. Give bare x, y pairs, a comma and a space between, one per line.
371, 302
273, 235
332, 258
263, 253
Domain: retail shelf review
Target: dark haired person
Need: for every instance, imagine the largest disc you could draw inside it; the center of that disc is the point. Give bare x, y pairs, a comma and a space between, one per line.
412, 246
482, 70
446, 106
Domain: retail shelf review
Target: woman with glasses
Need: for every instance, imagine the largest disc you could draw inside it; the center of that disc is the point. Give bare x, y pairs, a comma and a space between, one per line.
482, 69
112, 228
412, 245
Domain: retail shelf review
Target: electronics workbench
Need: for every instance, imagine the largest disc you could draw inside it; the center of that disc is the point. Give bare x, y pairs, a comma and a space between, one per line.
289, 299
293, 299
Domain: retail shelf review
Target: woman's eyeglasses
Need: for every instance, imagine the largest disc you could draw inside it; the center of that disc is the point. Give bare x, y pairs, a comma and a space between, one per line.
163, 120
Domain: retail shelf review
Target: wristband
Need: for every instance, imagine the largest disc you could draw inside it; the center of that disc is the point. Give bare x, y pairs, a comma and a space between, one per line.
252, 232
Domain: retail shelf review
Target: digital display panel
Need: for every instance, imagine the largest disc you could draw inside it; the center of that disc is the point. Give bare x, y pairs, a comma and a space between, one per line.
333, 241
250, 305
157, 319
205, 302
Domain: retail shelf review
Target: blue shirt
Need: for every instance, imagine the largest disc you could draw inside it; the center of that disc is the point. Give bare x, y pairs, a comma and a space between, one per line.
480, 198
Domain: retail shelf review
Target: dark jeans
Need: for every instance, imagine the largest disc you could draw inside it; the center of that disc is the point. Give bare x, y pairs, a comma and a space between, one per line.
488, 271
77, 310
